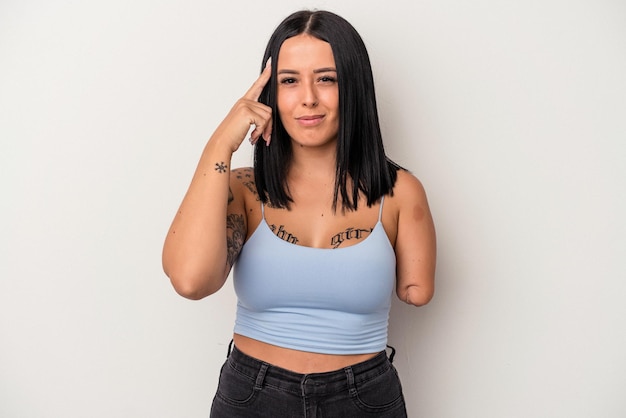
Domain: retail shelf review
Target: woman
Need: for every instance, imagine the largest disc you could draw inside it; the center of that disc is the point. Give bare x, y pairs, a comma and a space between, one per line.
319, 232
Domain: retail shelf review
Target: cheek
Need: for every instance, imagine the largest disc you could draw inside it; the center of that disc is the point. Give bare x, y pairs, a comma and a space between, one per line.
331, 99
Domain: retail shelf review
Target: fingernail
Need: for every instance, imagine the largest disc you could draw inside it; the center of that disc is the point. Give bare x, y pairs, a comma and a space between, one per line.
268, 62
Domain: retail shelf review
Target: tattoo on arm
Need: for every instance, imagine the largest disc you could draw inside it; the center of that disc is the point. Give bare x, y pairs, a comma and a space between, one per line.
348, 234
247, 179
284, 235
252, 187
235, 234
221, 167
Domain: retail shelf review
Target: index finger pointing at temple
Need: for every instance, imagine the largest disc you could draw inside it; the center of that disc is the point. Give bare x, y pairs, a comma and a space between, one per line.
255, 91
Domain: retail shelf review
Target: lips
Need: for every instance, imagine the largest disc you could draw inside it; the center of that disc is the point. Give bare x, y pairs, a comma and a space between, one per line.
310, 120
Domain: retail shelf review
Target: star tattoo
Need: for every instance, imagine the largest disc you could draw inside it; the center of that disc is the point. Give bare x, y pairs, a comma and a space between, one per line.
221, 167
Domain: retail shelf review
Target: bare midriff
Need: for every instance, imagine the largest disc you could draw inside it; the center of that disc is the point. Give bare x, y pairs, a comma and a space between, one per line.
295, 360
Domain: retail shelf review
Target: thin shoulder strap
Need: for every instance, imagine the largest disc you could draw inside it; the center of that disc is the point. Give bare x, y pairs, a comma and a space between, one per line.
380, 211
262, 210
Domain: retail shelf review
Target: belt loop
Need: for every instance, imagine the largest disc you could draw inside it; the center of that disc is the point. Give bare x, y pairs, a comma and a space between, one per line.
392, 355
350, 377
230, 348
258, 384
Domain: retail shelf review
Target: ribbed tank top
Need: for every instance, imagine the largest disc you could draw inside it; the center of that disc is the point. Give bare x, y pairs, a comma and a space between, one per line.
332, 301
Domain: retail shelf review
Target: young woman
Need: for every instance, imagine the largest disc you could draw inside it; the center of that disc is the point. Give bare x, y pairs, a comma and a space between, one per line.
319, 232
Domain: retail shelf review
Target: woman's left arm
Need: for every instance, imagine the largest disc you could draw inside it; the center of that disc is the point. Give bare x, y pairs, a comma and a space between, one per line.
416, 246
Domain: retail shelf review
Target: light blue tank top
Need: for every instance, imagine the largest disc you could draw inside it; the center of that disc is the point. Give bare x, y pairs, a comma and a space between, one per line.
332, 301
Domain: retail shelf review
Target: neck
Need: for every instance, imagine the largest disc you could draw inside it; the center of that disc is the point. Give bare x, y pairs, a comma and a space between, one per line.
314, 163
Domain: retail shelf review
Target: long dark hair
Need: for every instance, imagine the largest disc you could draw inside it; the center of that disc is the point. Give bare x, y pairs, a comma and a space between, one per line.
360, 152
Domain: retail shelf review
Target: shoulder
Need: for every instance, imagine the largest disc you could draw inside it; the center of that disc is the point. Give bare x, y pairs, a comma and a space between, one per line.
243, 179
408, 191
409, 202
404, 206
242, 174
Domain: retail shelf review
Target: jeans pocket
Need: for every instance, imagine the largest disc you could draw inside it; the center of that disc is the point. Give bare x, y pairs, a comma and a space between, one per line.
235, 387
380, 394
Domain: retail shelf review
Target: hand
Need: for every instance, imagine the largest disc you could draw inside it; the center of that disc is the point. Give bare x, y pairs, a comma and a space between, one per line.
248, 112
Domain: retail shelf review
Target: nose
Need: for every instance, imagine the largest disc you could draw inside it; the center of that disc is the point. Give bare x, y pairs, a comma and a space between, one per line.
309, 95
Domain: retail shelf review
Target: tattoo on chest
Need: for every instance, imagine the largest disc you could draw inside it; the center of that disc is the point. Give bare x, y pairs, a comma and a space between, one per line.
284, 235
348, 234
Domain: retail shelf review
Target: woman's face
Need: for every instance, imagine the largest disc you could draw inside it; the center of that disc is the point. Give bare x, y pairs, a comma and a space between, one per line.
308, 93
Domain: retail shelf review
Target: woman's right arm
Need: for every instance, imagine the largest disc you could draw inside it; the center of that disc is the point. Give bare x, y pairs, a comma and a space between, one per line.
208, 230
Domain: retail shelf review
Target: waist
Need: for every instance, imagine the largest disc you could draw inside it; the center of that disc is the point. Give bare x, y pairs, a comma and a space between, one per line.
321, 382
295, 360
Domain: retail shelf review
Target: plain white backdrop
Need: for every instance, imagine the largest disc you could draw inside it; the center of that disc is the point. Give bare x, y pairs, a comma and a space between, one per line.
512, 113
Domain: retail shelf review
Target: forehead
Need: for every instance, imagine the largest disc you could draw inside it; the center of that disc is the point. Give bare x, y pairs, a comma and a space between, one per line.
305, 51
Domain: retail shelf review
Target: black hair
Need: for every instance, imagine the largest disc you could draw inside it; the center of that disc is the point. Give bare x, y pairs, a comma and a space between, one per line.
360, 153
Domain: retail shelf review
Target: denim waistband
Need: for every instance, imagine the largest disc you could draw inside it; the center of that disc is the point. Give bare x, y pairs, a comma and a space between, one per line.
265, 374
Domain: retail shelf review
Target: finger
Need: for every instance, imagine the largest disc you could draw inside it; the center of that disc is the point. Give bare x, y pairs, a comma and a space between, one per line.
255, 91
256, 133
260, 116
267, 132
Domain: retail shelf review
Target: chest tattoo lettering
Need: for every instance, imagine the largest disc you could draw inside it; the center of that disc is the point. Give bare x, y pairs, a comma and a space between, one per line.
284, 235
348, 234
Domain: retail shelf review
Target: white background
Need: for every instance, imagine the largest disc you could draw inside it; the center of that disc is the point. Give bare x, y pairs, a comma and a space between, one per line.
512, 113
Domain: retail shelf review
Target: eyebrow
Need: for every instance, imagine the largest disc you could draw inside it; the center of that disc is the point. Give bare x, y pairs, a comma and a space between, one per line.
316, 71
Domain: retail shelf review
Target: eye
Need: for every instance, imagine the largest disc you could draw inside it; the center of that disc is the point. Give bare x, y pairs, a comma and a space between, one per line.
327, 79
288, 80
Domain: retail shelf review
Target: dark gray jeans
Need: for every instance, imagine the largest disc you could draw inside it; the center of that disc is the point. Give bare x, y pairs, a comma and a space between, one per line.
252, 388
